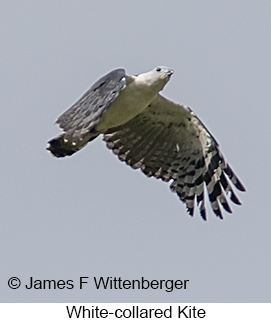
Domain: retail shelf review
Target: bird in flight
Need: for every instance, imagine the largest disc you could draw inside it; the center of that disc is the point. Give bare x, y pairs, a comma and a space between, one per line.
145, 130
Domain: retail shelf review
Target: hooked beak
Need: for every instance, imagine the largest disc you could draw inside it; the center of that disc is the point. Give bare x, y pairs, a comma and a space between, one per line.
169, 73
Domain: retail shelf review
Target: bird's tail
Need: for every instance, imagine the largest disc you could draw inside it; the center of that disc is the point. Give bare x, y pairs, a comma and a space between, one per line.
62, 147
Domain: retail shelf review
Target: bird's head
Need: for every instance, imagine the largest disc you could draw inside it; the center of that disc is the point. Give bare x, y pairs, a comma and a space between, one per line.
157, 78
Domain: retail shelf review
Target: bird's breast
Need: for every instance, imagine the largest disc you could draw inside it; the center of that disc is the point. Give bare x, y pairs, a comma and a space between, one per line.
131, 101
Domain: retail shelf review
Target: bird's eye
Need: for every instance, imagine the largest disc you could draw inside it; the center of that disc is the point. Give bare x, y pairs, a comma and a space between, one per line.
158, 69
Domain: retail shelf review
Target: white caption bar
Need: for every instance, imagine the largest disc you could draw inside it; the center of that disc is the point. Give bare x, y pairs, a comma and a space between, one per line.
202, 312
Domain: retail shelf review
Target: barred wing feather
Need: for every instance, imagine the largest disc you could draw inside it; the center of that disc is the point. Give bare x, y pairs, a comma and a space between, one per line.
169, 142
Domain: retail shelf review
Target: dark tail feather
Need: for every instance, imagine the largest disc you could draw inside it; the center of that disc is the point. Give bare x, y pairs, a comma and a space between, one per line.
60, 147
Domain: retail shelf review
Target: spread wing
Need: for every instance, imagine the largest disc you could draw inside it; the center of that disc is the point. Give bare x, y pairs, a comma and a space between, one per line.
169, 142
78, 121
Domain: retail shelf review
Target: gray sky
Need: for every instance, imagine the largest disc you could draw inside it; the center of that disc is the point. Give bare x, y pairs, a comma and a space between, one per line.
90, 215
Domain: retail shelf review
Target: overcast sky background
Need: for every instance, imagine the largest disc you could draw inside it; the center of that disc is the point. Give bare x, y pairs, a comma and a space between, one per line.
91, 215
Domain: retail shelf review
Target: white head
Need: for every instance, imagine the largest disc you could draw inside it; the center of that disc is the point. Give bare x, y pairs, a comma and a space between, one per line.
157, 78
